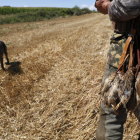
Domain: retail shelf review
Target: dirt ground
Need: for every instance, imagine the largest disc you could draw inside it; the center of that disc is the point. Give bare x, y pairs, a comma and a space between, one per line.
50, 90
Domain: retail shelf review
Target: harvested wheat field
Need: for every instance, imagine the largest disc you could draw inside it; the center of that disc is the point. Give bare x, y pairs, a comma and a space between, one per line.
50, 90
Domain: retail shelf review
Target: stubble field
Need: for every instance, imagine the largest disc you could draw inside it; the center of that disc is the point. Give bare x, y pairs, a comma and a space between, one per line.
50, 90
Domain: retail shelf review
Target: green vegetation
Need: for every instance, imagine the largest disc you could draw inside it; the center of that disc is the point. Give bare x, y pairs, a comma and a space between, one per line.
14, 15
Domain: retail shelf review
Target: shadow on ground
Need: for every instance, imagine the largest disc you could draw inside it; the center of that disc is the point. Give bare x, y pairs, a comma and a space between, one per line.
15, 68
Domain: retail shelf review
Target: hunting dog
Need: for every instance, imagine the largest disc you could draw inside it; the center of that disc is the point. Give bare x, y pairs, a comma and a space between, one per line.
3, 50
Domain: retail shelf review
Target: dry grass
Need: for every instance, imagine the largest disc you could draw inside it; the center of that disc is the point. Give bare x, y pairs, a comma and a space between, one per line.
53, 92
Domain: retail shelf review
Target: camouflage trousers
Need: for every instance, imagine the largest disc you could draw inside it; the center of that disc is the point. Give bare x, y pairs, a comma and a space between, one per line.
111, 125
117, 44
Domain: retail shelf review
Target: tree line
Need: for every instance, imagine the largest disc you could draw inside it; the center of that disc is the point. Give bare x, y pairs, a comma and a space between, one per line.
15, 15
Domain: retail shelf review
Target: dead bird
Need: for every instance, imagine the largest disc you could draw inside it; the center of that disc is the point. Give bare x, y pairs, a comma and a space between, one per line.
109, 89
113, 93
3, 50
118, 89
107, 83
137, 86
126, 86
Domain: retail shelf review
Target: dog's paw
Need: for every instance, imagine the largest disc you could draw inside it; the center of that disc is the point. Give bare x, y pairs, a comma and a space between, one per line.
7, 63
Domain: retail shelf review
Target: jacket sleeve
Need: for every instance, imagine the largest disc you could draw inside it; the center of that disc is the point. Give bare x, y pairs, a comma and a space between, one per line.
124, 10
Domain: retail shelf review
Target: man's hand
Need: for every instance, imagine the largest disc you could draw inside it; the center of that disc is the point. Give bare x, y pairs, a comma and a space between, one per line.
102, 6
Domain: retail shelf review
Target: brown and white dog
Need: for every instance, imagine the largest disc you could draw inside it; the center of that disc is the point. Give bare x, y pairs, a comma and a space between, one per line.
3, 50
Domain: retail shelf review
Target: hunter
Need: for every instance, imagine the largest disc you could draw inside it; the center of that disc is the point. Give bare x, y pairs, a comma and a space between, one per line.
121, 13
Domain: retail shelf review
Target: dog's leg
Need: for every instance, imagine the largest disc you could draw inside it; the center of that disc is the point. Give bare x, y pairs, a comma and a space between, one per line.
6, 54
1, 60
7, 58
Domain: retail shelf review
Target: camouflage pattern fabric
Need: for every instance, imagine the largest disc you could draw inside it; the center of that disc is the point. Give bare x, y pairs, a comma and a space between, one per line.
117, 45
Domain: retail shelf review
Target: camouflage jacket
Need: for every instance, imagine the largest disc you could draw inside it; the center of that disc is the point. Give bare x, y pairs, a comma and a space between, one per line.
124, 10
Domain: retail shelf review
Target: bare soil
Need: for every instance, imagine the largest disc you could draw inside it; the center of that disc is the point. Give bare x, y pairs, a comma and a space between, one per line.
50, 90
